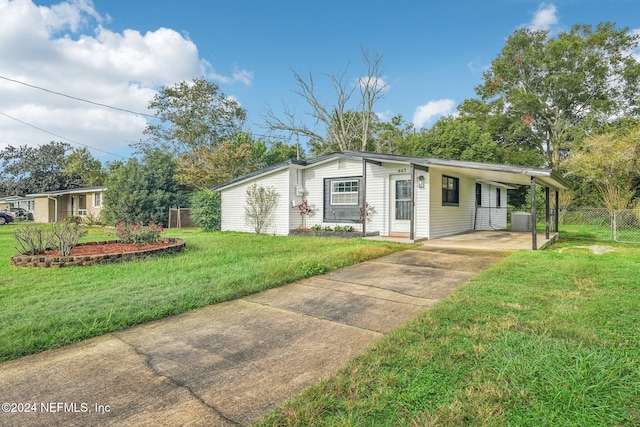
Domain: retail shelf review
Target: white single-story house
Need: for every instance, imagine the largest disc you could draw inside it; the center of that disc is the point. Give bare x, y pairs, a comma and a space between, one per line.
413, 197
55, 206
9, 202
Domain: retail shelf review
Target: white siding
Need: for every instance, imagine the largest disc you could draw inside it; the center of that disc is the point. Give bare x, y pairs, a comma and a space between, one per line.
422, 207
449, 220
234, 201
296, 188
379, 193
314, 185
488, 215
378, 197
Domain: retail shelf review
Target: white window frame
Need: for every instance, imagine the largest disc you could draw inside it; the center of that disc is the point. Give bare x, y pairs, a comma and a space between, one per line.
97, 200
351, 193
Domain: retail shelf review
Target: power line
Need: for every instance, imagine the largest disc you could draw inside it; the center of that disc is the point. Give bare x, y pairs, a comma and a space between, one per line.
79, 99
60, 136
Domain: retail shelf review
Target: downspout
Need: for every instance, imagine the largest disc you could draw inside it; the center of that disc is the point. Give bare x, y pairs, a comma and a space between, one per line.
534, 235
55, 212
547, 213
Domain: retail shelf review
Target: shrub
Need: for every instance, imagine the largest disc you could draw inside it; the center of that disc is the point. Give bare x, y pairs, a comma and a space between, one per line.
66, 237
73, 219
316, 227
261, 202
92, 219
348, 229
328, 228
62, 237
33, 240
205, 210
338, 228
138, 233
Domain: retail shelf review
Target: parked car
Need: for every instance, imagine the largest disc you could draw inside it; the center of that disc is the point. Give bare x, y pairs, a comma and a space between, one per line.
5, 218
20, 214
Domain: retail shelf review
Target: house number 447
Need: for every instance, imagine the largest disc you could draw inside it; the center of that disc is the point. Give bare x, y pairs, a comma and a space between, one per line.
402, 170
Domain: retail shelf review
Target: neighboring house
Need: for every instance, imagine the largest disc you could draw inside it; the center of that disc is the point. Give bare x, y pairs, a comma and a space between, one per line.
8, 202
413, 197
55, 206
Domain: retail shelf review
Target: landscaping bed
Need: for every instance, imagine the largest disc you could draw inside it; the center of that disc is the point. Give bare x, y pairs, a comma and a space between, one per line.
102, 252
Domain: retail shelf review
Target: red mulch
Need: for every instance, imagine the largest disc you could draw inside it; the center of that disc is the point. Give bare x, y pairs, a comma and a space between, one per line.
110, 248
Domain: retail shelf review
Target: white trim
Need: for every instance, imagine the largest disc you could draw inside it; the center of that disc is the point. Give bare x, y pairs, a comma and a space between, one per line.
350, 193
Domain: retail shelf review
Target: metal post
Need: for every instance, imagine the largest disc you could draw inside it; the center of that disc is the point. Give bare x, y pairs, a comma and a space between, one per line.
534, 235
557, 211
547, 213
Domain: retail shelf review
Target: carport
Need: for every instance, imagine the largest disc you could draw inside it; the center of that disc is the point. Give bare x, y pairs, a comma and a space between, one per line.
548, 179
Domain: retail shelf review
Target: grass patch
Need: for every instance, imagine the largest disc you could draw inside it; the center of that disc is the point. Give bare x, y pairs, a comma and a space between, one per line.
47, 308
542, 338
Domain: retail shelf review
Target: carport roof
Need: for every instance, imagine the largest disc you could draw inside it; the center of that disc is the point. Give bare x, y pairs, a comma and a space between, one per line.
507, 174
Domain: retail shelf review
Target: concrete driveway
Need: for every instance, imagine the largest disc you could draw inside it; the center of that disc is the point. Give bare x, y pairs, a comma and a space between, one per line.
231, 363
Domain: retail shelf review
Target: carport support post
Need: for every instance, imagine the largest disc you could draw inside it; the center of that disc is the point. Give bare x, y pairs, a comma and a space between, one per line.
557, 219
534, 235
412, 221
547, 213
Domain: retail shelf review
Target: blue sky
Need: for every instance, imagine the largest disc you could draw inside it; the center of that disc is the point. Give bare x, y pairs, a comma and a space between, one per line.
120, 52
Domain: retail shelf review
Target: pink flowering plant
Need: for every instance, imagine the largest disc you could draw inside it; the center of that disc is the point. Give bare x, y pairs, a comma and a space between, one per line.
137, 233
305, 208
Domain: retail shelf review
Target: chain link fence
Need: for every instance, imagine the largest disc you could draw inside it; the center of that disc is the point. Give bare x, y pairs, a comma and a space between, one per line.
602, 224
626, 226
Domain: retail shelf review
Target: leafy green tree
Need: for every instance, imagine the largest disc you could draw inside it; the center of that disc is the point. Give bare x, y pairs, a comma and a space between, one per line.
395, 137
34, 169
143, 190
205, 210
561, 87
192, 116
456, 139
515, 141
610, 163
239, 156
83, 169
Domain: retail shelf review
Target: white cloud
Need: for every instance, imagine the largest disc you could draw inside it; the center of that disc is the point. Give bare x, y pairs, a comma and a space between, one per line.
66, 48
375, 83
545, 17
425, 113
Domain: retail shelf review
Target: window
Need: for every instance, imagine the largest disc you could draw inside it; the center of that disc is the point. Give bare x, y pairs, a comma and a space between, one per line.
403, 199
478, 194
497, 197
450, 193
97, 200
342, 199
344, 192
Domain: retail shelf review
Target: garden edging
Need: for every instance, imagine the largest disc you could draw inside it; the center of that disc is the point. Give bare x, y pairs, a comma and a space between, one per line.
46, 261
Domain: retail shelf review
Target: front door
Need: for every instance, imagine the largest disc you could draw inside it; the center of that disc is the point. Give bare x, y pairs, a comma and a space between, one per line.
400, 204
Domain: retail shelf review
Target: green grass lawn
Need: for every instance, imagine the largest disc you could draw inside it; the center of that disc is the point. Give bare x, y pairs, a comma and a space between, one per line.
548, 338
46, 308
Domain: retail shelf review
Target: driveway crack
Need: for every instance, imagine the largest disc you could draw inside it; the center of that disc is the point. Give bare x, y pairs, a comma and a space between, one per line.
148, 358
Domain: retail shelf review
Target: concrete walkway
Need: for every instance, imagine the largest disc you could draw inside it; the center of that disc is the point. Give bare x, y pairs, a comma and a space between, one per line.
231, 363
